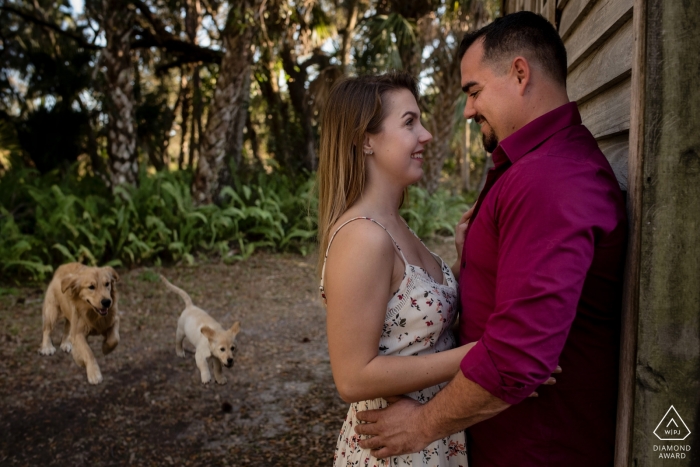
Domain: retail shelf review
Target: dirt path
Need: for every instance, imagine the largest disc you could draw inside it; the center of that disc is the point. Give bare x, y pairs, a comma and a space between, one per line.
279, 408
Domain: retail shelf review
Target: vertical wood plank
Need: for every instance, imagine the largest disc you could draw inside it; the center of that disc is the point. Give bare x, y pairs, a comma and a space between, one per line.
549, 11
668, 325
630, 298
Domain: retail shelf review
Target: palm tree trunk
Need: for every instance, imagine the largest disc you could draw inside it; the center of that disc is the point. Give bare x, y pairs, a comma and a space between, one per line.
444, 116
230, 95
118, 18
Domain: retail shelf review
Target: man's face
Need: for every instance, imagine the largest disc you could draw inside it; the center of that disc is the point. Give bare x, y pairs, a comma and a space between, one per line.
489, 97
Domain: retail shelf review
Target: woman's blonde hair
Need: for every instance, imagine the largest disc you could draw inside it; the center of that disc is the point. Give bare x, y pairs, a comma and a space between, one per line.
354, 108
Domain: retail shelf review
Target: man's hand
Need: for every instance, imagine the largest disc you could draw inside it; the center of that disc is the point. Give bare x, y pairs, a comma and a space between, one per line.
395, 430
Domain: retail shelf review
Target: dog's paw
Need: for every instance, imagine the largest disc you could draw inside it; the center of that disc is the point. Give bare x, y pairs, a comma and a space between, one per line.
180, 353
94, 377
67, 347
221, 380
47, 350
206, 379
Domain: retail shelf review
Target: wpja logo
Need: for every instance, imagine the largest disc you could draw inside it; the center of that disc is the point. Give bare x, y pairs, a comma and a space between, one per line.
672, 428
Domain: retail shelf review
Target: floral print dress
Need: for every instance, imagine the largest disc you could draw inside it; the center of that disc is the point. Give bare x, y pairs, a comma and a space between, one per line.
417, 322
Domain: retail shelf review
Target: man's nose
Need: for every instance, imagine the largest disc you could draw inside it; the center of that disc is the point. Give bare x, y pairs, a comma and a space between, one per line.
469, 111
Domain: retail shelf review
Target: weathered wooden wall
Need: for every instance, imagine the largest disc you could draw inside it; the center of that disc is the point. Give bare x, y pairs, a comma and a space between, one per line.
598, 36
668, 337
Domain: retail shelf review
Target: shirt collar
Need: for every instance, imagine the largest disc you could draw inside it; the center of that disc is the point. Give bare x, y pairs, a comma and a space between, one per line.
515, 146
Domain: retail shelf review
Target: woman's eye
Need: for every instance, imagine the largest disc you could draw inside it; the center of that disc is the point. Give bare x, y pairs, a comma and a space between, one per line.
409, 121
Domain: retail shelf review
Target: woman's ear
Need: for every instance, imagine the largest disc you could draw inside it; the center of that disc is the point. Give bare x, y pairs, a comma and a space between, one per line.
367, 146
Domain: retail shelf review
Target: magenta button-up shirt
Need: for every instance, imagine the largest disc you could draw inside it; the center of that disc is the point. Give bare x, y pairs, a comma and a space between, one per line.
541, 285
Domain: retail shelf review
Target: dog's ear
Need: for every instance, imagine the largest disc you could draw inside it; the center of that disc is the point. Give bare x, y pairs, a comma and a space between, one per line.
208, 332
113, 273
69, 282
236, 327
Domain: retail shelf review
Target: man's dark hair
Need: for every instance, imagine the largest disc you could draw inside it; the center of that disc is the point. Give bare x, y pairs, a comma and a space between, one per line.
519, 33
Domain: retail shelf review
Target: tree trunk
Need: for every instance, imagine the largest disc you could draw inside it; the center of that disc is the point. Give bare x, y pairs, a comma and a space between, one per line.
444, 116
229, 97
185, 113
347, 33
467, 160
118, 18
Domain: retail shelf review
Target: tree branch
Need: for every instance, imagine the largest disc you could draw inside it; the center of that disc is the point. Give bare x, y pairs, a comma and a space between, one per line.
28, 16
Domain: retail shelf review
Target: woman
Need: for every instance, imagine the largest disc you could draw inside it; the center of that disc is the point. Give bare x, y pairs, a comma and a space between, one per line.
387, 296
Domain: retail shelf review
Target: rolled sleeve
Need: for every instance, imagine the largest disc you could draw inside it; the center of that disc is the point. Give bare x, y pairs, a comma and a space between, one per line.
478, 366
545, 231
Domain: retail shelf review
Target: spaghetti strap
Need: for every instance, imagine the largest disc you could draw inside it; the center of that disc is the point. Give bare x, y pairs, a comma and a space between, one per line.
328, 248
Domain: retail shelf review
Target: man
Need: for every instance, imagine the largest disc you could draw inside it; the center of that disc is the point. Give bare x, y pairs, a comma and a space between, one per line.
541, 272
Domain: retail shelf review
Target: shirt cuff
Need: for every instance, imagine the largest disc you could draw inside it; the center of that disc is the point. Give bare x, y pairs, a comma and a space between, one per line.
478, 367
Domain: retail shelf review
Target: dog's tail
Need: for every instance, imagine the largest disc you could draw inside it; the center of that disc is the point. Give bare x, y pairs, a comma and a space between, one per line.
177, 290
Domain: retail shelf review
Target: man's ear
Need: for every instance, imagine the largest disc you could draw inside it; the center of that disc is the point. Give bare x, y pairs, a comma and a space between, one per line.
113, 273
207, 332
69, 282
521, 69
236, 328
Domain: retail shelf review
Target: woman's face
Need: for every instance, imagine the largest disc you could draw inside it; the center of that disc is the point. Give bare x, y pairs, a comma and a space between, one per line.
398, 147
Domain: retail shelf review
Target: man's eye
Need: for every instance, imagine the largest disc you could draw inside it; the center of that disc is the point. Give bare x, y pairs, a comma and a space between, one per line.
473, 95
409, 121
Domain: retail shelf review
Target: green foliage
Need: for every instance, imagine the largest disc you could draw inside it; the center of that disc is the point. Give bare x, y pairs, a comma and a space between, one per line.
429, 215
45, 221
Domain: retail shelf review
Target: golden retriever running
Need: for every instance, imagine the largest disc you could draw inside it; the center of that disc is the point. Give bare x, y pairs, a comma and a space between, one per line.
87, 299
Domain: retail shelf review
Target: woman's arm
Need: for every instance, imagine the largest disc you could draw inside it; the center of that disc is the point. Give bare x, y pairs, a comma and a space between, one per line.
460, 233
357, 285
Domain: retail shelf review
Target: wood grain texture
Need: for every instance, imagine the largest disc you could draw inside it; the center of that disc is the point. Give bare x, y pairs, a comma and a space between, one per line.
616, 150
549, 11
606, 17
668, 331
571, 15
608, 113
630, 297
610, 64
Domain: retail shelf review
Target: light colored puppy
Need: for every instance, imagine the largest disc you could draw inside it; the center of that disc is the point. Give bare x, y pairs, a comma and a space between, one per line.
212, 342
87, 298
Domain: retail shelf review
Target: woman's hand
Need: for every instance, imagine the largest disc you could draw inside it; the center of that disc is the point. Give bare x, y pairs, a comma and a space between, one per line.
460, 233
549, 382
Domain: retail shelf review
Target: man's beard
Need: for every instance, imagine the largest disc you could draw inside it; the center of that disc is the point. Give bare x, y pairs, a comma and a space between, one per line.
490, 141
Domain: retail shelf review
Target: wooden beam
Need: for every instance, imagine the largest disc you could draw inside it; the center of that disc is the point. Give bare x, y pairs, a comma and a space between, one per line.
606, 17
616, 150
572, 12
630, 298
610, 64
608, 113
668, 332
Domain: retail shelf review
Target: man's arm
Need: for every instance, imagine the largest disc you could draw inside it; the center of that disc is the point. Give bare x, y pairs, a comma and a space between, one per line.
408, 426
